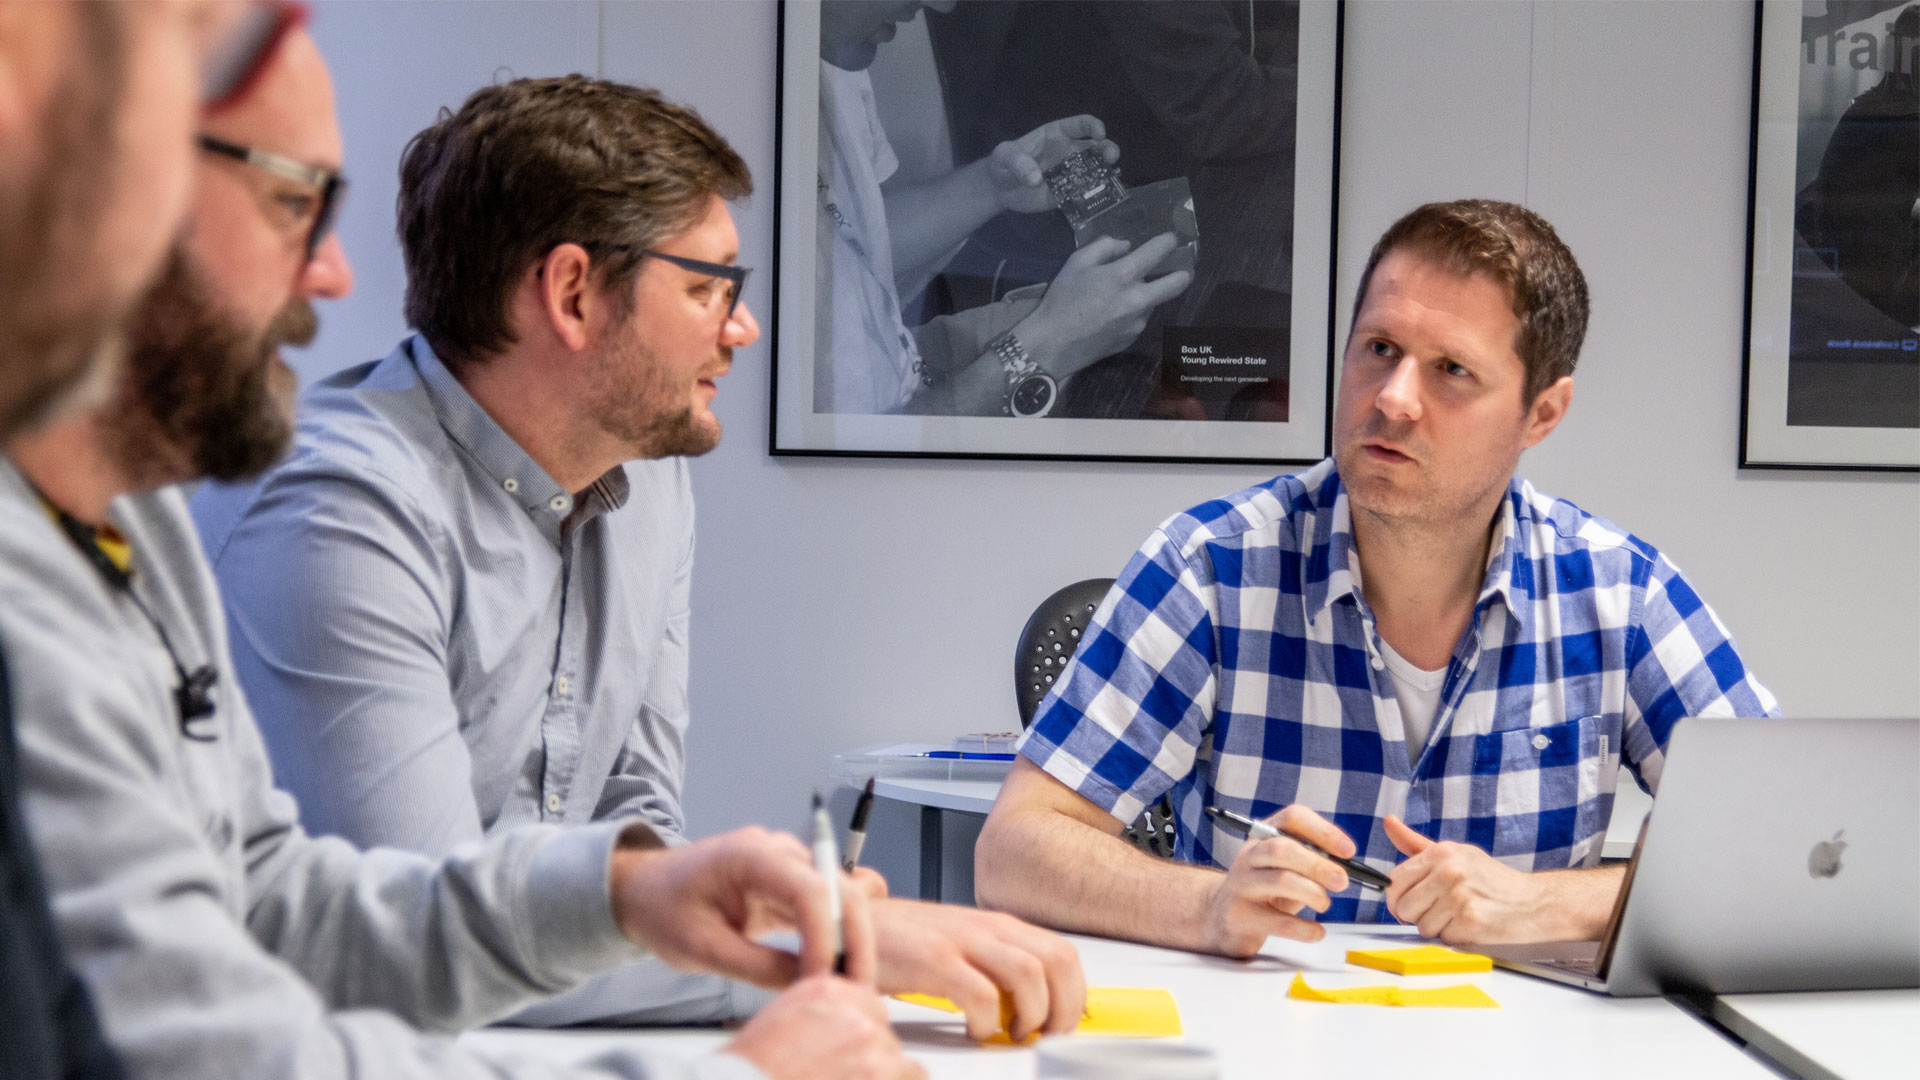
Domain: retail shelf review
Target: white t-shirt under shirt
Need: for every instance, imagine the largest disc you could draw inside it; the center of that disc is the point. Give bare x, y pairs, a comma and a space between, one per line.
1419, 694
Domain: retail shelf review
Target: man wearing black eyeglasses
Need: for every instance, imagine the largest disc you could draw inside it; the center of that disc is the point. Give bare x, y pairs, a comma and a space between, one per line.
463, 602
217, 937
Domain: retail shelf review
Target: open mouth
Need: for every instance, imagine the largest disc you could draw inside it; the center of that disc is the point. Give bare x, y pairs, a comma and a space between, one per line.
1386, 454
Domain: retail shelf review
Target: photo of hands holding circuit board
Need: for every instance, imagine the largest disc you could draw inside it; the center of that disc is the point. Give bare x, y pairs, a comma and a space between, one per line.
1045, 210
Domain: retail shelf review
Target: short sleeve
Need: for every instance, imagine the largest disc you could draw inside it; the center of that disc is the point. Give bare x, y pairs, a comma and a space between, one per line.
1124, 723
1681, 662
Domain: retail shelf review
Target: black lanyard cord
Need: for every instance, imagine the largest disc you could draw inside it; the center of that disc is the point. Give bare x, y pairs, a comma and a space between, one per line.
193, 698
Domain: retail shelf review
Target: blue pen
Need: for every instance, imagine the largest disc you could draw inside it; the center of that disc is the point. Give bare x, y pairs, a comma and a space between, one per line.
966, 755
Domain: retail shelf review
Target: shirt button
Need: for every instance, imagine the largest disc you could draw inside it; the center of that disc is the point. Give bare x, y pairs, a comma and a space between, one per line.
510, 484
561, 686
558, 504
1378, 664
553, 804
1540, 742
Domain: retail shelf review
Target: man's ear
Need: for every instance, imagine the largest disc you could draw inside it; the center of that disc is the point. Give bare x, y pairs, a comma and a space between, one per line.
1547, 411
566, 288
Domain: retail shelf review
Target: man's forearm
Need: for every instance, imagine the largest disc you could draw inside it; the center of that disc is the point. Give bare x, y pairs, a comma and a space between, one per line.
972, 380
926, 220
1056, 871
979, 389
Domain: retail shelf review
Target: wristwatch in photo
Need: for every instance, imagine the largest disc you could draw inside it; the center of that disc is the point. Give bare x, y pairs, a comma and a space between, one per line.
1030, 390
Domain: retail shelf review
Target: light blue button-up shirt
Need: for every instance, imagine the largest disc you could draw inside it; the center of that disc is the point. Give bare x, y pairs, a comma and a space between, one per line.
440, 642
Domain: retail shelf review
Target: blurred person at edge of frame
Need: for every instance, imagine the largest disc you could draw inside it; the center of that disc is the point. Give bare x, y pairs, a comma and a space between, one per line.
97, 107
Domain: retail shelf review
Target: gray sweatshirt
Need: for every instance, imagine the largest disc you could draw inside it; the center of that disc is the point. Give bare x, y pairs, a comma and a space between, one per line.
217, 937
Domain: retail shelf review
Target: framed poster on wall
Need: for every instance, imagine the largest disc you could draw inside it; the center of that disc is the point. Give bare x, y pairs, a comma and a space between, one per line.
1061, 229
1832, 375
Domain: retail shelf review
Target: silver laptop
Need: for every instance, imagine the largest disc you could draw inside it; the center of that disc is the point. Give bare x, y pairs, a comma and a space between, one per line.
1779, 855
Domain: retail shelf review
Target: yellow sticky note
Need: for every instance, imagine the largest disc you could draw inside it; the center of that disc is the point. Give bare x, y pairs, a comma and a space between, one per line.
1352, 995
1130, 1010
1111, 1010
1419, 960
1462, 996
929, 1001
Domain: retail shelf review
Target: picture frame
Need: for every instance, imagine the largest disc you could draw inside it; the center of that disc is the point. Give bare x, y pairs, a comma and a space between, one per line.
1236, 366
1831, 371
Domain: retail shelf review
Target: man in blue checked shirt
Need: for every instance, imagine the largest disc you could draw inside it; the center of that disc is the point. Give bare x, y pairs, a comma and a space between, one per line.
1405, 654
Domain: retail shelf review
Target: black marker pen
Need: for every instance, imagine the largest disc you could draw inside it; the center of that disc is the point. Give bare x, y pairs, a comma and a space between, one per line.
1366, 875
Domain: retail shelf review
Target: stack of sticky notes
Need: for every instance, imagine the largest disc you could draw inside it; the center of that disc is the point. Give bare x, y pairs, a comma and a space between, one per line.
1414, 960
1111, 1010
1420, 960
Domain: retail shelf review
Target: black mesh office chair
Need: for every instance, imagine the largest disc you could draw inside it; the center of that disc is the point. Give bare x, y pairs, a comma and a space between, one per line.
1052, 635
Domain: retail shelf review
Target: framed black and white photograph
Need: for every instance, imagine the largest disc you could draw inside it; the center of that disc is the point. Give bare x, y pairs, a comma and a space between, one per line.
1832, 375
1056, 229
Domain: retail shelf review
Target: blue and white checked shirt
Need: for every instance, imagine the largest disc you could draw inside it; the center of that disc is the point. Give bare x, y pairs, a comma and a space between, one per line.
1236, 663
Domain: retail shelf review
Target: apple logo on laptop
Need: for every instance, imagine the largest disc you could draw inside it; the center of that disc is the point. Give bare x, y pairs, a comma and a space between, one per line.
1824, 860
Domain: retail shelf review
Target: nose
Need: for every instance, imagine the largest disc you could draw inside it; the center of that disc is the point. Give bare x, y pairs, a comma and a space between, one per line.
1399, 396
327, 276
740, 329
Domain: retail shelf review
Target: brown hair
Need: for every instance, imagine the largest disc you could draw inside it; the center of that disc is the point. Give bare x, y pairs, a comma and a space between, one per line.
1517, 248
534, 163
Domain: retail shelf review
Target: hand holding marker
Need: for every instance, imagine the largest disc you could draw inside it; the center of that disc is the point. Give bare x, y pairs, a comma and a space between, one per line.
1360, 872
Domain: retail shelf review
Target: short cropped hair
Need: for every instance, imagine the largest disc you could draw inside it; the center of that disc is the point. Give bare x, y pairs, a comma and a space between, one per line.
528, 165
1516, 248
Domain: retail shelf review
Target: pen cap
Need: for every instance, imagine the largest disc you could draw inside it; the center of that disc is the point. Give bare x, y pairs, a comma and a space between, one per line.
1076, 1057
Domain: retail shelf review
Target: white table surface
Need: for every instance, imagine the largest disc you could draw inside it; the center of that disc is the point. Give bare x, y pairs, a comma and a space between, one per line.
1851, 1034
1241, 1011
976, 797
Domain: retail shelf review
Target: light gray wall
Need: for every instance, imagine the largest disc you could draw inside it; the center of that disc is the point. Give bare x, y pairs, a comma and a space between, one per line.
839, 603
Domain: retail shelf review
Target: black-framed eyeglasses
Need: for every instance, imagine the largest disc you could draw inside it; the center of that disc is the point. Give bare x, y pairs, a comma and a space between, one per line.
734, 276
331, 185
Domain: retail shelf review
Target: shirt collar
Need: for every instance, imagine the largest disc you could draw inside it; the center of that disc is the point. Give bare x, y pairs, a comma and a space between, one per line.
1510, 561
553, 509
1330, 558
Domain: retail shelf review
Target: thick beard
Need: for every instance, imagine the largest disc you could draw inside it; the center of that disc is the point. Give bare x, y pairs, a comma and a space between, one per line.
55, 336
637, 406
204, 396
675, 435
